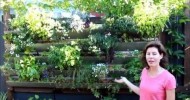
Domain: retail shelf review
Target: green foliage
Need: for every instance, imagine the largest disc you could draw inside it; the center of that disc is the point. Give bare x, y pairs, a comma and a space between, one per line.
151, 15
21, 6
65, 57
103, 41
21, 42
177, 69
27, 68
39, 24
133, 69
108, 98
125, 24
123, 27
5, 5
183, 96
106, 42
124, 20
100, 70
111, 8
87, 47
8, 38
37, 97
150, 18
85, 76
178, 41
3, 96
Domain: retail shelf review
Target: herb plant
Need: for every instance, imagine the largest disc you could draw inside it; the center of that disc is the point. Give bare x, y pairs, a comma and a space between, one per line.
27, 68
65, 57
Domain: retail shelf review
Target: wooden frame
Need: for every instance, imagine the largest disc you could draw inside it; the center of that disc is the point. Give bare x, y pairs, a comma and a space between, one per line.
187, 48
51, 88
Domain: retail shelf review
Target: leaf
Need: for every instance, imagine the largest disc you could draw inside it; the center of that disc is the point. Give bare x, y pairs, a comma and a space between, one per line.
36, 96
31, 98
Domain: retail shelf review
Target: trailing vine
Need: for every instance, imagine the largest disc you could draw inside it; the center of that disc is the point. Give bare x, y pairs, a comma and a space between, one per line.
175, 45
176, 42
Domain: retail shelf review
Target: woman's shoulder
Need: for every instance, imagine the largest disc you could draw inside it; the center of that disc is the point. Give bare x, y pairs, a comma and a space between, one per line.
168, 75
144, 70
170, 81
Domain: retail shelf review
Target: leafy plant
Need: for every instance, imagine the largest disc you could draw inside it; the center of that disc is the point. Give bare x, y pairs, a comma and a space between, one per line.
173, 46
106, 42
22, 6
151, 15
133, 69
40, 24
108, 98
100, 70
37, 97
113, 8
176, 69
123, 17
87, 47
3, 96
124, 27
22, 42
65, 57
150, 18
87, 76
84, 75
27, 68
183, 96
8, 38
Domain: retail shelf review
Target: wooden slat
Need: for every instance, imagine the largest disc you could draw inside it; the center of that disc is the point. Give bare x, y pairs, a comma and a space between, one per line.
187, 48
121, 60
30, 84
183, 89
123, 46
187, 65
86, 59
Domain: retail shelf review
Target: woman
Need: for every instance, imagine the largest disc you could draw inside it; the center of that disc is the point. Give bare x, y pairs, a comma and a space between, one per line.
156, 82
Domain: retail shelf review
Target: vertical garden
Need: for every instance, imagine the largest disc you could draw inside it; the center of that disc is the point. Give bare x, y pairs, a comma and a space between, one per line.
77, 52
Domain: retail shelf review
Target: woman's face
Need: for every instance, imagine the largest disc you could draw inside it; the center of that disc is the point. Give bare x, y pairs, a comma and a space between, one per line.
153, 57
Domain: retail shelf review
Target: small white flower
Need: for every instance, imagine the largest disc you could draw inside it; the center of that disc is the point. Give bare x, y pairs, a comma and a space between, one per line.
43, 63
17, 55
11, 52
21, 61
73, 42
100, 70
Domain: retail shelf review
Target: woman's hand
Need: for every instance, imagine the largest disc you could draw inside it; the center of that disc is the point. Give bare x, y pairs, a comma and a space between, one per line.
128, 83
121, 80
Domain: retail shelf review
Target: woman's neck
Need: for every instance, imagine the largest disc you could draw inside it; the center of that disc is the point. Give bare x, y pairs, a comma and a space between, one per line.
153, 71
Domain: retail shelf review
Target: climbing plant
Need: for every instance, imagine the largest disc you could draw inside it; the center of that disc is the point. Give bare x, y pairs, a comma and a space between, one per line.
150, 15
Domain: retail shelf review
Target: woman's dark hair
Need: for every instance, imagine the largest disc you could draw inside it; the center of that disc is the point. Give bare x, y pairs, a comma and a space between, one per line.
161, 50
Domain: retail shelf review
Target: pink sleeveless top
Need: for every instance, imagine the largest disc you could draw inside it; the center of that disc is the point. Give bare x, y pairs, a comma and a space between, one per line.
154, 88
